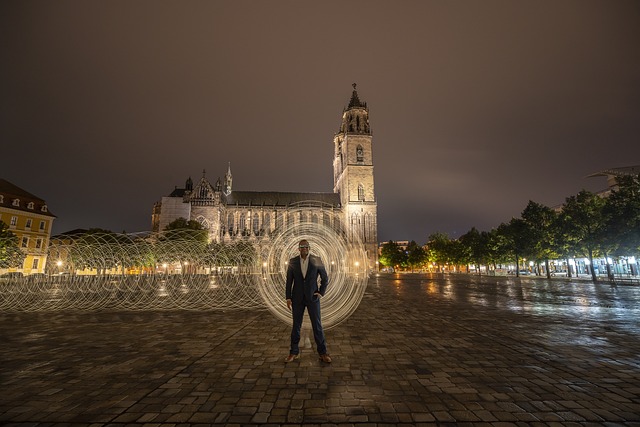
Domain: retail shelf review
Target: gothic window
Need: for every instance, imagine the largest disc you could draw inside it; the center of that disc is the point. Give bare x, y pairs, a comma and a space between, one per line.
279, 220
326, 220
266, 223
256, 223
359, 154
368, 228
243, 222
360, 193
303, 217
314, 218
230, 223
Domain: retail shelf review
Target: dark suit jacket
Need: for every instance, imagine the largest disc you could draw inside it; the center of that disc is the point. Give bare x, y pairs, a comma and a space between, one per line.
299, 287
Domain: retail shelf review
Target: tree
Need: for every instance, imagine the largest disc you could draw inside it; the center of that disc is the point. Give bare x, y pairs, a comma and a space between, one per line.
583, 220
10, 254
540, 222
621, 213
392, 255
440, 249
181, 227
515, 240
474, 244
416, 255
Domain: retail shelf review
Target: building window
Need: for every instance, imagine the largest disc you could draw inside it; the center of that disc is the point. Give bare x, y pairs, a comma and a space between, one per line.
256, 223
30, 205
266, 223
25, 242
230, 223
16, 202
42, 223
359, 154
360, 192
28, 224
44, 208
39, 244
14, 221
243, 222
35, 263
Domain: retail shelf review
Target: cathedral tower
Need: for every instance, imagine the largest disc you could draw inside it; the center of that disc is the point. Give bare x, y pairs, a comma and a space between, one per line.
353, 175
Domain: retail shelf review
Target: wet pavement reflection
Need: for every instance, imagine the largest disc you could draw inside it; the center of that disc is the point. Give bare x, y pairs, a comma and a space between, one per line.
419, 349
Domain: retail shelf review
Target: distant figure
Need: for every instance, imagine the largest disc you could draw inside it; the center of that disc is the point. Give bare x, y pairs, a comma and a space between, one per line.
303, 292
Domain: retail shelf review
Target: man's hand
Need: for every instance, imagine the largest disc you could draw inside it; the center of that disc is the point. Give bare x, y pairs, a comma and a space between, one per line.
289, 304
317, 294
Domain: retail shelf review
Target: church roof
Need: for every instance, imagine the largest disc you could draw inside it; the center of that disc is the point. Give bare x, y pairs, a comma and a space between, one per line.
277, 198
178, 192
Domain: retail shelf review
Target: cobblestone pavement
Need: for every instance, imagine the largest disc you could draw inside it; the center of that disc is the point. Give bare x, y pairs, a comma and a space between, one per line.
419, 350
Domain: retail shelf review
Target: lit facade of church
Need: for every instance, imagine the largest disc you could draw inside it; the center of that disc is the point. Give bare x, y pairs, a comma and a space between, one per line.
351, 209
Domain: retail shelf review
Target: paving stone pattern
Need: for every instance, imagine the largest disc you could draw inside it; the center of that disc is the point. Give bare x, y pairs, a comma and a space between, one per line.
420, 349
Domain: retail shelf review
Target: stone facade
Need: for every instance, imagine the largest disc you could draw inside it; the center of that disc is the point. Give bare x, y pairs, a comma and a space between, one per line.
229, 215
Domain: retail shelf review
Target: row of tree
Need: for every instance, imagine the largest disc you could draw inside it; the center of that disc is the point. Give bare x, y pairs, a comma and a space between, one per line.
587, 225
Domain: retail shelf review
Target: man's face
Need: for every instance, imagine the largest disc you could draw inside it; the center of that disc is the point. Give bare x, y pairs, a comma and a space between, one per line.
303, 247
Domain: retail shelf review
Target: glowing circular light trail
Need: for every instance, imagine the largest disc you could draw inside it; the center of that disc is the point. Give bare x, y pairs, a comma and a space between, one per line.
179, 270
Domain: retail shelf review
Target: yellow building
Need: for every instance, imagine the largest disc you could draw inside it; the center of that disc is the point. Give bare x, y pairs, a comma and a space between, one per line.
28, 217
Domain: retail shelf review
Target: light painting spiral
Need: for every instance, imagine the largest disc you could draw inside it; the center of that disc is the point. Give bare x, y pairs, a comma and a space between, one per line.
180, 270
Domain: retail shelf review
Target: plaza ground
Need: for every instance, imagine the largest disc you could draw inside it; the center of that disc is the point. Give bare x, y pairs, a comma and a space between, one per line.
420, 349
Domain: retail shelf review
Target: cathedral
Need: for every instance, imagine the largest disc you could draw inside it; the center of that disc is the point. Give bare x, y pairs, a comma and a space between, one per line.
350, 209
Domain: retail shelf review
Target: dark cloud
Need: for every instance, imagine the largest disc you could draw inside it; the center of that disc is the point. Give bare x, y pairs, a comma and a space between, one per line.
476, 108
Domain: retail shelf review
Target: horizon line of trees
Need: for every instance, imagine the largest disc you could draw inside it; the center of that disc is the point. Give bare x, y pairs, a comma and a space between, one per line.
586, 226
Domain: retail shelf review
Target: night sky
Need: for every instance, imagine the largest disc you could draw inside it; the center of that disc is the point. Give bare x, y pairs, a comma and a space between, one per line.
476, 107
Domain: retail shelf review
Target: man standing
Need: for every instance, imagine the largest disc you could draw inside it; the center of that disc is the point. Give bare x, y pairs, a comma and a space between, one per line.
302, 273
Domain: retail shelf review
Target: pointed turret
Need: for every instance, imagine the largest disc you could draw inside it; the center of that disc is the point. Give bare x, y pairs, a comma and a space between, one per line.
355, 101
355, 118
228, 179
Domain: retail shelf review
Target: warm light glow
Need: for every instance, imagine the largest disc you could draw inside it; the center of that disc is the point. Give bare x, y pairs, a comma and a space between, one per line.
59, 263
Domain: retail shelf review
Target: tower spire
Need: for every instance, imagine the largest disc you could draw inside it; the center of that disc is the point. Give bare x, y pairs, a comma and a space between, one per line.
228, 179
355, 101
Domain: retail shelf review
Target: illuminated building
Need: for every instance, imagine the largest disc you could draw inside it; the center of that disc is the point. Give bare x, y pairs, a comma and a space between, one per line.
28, 217
229, 215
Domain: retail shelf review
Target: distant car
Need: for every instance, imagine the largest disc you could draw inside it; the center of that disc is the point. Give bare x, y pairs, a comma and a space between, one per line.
523, 273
